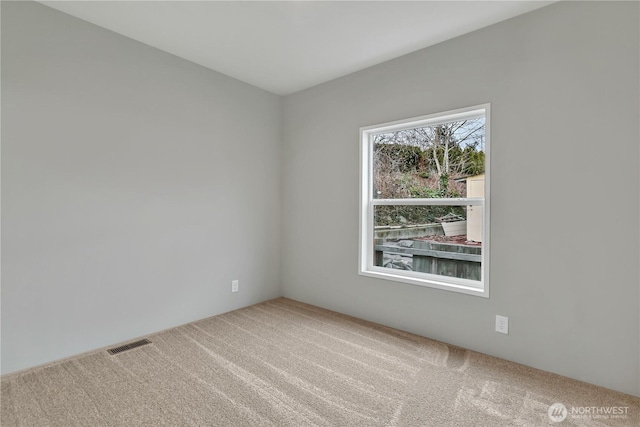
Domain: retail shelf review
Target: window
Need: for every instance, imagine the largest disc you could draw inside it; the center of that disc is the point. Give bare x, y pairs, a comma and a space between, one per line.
424, 216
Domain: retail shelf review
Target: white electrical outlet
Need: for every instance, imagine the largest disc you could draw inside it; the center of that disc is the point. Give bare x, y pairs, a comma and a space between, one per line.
502, 324
234, 285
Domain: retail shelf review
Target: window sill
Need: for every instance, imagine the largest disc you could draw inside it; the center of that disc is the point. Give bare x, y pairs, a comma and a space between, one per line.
420, 280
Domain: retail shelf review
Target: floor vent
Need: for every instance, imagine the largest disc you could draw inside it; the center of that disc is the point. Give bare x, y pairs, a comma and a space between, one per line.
129, 346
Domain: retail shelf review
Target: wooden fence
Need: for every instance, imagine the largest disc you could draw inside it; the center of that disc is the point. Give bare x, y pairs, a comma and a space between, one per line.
444, 259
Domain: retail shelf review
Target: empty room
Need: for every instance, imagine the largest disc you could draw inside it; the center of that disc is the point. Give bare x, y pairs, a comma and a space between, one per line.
332, 213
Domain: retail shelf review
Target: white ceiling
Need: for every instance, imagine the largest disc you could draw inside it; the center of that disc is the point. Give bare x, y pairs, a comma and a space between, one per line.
287, 46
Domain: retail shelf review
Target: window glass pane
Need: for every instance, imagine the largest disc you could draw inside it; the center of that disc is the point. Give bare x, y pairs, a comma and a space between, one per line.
428, 162
442, 240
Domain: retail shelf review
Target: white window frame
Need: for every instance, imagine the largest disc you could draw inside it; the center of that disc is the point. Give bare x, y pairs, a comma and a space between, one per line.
367, 203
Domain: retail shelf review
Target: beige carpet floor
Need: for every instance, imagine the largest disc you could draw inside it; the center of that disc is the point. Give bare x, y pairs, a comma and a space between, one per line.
284, 363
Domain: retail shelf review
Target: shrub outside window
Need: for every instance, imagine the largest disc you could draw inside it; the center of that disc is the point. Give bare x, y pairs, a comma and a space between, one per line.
424, 192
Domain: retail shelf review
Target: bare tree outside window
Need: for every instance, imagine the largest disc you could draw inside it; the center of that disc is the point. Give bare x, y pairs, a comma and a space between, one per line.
426, 162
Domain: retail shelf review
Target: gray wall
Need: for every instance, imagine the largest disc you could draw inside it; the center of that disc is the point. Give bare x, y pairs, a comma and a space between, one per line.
135, 187
563, 84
